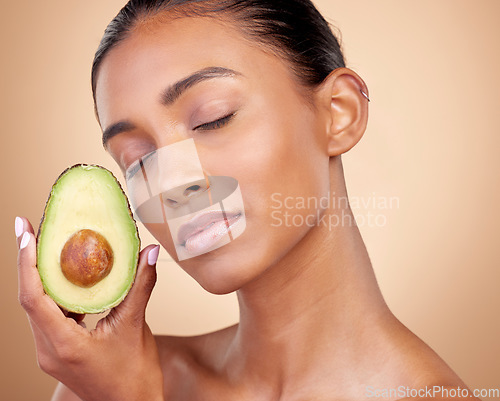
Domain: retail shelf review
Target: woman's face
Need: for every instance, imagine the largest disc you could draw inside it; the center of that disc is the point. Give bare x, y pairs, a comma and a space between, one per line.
274, 142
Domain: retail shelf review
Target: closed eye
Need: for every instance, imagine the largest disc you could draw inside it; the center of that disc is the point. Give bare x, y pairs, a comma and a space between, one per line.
136, 166
215, 124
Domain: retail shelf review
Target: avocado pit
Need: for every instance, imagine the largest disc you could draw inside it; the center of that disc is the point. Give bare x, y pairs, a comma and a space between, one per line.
86, 258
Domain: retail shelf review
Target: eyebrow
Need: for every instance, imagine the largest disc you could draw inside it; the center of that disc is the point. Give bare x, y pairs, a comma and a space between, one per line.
171, 94
115, 129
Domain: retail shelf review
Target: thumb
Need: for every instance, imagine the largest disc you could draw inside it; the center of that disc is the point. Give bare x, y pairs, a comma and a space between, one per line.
133, 308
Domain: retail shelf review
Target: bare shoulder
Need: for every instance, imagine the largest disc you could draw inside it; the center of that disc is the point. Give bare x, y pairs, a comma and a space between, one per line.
193, 357
426, 376
204, 347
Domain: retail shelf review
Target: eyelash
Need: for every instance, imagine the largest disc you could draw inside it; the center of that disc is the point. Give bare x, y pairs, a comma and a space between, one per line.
215, 124
204, 127
130, 172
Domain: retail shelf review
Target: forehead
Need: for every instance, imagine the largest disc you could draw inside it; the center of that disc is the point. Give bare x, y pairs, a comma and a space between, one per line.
158, 54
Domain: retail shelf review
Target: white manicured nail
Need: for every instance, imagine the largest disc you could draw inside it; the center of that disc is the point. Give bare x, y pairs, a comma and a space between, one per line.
153, 255
19, 227
25, 240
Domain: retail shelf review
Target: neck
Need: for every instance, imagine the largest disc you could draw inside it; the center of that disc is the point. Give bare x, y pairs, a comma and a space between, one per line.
313, 307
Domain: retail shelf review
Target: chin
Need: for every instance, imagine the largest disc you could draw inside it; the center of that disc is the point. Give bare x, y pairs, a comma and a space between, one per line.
226, 269
238, 263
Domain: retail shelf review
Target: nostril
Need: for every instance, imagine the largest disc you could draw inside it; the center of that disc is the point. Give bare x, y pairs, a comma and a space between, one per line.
172, 202
191, 190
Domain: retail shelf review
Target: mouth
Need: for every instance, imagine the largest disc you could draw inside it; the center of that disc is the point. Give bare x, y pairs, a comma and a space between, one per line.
205, 229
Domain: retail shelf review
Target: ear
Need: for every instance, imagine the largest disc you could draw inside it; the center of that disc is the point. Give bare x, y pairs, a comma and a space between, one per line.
346, 109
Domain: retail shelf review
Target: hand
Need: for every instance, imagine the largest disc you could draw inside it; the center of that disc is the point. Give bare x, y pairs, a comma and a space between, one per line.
118, 360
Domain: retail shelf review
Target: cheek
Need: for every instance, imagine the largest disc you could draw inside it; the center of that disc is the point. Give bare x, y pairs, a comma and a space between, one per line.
290, 166
275, 160
278, 155
290, 162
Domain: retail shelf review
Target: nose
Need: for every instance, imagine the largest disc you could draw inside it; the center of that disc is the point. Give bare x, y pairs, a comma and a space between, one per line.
182, 194
179, 173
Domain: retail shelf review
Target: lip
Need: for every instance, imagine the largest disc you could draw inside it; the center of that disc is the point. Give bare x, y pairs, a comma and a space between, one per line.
205, 229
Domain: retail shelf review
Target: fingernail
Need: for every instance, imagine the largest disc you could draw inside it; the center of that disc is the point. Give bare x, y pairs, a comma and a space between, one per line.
19, 227
153, 255
25, 240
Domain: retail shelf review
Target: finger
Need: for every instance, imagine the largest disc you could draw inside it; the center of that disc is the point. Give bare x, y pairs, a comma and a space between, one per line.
40, 308
21, 226
77, 317
132, 309
40, 341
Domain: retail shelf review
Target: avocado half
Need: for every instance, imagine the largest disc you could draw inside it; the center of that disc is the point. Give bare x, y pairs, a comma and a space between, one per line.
88, 243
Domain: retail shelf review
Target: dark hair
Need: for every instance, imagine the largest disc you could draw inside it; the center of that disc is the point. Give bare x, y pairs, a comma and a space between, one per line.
293, 29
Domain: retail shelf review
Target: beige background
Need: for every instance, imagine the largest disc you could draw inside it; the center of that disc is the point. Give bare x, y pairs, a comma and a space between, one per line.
432, 141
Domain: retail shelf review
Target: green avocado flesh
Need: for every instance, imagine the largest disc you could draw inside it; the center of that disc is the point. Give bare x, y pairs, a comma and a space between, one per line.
88, 243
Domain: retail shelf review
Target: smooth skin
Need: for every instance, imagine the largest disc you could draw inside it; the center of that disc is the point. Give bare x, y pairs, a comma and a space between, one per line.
313, 323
